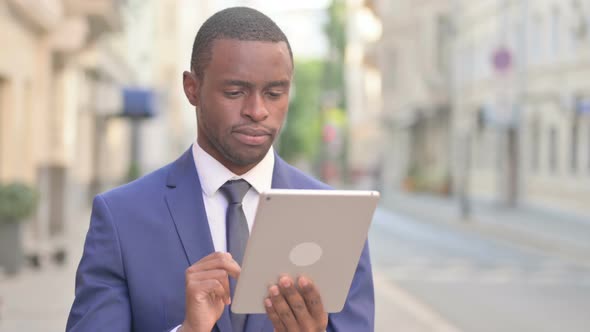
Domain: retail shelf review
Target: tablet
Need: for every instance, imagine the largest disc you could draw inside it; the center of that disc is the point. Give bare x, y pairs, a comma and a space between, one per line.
316, 233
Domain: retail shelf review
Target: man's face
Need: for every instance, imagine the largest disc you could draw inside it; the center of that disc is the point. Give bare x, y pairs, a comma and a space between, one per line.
241, 100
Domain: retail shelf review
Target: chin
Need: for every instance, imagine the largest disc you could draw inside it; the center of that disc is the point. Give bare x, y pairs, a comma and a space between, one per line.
247, 156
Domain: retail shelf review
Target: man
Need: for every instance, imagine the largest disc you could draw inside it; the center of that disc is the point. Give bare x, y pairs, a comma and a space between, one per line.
155, 255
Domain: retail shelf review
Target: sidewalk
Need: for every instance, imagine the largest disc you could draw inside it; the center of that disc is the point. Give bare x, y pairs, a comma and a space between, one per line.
38, 300
396, 309
552, 231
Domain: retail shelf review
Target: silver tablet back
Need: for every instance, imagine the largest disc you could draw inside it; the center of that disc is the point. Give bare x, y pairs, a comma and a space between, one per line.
316, 233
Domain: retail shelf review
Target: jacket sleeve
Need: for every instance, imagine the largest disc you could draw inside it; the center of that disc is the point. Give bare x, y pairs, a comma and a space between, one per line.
358, 313
101, 299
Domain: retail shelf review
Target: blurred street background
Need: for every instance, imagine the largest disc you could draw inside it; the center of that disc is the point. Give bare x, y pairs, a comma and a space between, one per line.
472, 118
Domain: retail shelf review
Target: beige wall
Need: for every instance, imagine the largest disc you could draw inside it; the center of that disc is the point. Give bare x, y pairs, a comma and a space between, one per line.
40, 107
24, 96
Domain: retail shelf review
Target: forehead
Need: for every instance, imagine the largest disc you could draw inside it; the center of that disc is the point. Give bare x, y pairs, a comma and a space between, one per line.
251, 60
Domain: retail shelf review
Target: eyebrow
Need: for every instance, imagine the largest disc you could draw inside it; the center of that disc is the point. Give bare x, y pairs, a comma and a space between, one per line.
280, 84
238, 83
273, 84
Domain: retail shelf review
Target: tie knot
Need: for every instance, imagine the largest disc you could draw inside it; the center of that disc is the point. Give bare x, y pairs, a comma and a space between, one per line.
235, 190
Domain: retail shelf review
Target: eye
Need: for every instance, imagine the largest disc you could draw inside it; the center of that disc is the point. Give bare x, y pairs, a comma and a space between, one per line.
233, 94
274, 94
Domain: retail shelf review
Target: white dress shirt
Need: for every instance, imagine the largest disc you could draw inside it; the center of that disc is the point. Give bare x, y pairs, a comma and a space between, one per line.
213, 175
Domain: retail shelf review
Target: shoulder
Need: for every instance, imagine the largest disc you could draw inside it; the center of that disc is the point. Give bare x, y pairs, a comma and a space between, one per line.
154, 183
297, 178
146, 185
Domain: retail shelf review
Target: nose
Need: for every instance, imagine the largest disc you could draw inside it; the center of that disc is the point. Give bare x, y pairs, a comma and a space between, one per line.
255, 108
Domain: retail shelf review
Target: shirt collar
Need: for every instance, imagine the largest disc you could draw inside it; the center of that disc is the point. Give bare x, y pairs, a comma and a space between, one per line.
213, 174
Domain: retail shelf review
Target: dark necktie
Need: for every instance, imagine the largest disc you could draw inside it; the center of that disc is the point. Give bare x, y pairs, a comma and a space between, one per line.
236, 233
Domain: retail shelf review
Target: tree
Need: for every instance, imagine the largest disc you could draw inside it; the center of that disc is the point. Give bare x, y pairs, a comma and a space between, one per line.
301, 133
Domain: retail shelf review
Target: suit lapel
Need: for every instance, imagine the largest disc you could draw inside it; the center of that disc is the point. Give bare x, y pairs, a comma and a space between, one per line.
185, 203
280, 179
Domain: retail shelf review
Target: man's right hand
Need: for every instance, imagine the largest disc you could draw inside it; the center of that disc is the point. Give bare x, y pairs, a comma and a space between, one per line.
207, 290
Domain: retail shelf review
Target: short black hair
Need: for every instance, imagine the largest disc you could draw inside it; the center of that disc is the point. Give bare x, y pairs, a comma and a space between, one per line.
241, 23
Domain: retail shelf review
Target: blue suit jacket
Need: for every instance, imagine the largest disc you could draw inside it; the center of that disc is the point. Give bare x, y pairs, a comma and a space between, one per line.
142, 238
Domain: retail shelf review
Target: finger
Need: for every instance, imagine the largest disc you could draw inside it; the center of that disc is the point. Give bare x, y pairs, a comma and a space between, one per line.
214, 255
206, 290
296, 302
220, 275
274, 316
282, 308
312, 297
218, 255
205, 262
230, 266
221, 261
198, 280
216, 291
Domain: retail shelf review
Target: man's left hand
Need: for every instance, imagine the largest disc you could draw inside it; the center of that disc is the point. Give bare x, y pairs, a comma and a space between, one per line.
294, 308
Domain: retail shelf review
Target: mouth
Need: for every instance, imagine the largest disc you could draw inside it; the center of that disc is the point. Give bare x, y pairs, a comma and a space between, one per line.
252, 136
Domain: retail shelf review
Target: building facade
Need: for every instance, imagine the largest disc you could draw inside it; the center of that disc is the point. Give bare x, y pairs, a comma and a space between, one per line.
53, 52
487, 99
521, 116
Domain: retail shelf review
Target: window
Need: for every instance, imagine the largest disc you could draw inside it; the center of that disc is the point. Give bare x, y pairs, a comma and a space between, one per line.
553, 153
2, 130
390, 71
588, 131
555, 30
470, 61
536, 40
579, 23
535, 144
443, 37
574, 146
27, 126
499, 151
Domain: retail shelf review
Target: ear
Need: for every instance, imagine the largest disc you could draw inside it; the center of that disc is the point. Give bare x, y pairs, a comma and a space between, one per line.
191, 85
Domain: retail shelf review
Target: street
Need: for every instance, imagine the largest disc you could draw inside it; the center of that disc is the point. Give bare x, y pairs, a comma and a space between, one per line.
476, 284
